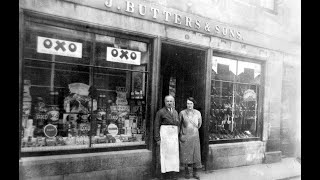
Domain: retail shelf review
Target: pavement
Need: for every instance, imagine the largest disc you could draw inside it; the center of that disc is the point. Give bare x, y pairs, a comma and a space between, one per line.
286, 169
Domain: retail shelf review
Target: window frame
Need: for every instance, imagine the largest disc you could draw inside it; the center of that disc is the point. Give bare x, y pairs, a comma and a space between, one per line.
260, 109
41, 19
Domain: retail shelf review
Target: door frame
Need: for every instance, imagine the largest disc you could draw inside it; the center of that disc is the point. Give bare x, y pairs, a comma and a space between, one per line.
157, 94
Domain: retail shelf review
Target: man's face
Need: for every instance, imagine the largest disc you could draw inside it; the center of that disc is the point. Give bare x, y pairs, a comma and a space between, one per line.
169, 101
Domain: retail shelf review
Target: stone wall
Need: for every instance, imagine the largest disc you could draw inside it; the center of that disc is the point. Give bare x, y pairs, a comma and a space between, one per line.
235, 154
277, 40
283, 23
131, 164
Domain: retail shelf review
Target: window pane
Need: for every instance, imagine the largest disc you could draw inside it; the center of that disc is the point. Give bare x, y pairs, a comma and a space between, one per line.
60, 34
234, 99
246, 109
122, 44
249, 72
223, 69
121, 100
46, 123
65, 99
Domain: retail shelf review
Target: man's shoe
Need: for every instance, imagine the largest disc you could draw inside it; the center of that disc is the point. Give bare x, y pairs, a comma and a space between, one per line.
173, 176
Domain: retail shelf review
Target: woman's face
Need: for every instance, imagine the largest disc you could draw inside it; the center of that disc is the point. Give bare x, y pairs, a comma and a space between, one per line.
189, 104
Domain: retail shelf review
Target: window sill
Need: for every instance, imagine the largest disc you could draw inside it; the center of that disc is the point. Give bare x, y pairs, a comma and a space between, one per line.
79, 149
233, 140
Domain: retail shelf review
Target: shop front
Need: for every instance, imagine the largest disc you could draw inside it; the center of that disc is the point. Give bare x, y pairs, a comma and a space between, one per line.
94, 74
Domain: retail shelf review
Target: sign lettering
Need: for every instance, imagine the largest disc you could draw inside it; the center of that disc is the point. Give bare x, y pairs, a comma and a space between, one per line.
123, 56
59, 47
170, 16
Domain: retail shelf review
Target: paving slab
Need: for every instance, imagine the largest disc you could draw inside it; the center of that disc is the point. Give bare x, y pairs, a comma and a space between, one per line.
287, 168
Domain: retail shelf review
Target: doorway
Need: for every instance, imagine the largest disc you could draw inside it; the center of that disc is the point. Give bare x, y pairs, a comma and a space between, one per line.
182, 74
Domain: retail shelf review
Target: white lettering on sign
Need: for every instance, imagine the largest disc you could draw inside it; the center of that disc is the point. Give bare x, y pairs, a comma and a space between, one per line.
59, 47
139, 8
123, 56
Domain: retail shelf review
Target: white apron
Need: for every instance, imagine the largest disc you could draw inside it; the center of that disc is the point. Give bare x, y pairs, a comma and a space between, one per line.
169, 148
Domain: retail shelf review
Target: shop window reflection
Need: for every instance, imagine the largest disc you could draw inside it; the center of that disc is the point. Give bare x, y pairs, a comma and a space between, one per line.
234, 99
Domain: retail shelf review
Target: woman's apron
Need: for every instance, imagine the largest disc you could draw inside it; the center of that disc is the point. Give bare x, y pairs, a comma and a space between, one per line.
169, 148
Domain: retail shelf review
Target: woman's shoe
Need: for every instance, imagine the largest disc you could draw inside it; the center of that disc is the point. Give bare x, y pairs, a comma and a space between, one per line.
194, 174
187, 174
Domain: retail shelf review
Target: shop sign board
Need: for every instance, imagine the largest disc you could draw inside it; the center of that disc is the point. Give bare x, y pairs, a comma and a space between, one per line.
59, 47
50, 131
123, 56
161, 14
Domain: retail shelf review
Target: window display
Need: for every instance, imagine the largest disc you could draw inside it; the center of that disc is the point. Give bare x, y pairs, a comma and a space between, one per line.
234, 99
74, 97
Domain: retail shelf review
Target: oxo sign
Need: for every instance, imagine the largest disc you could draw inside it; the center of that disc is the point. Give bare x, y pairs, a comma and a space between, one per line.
123, 56
59, 47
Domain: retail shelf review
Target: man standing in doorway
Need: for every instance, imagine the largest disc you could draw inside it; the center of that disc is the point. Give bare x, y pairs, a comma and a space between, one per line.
166, 135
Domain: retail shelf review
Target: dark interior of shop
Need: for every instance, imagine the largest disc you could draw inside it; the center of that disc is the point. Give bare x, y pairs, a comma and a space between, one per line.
182, 74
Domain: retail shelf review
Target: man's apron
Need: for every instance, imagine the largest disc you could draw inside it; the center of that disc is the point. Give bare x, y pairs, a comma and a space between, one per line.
169, 148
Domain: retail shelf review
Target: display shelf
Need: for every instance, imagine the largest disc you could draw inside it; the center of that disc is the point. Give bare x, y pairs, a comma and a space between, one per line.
44, 86
81, 151
118, 144
77, 64
143, 99
62, 70
221, 141
217, 96
54, 148
84, 146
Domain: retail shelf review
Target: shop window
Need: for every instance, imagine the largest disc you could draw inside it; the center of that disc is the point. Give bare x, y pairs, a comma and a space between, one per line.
75, 96
234, 100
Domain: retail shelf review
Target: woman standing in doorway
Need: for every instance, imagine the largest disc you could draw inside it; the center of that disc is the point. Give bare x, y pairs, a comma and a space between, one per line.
190, 122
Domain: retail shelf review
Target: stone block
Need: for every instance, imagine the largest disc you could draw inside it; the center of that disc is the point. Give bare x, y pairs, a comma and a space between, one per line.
235, 154
214, 41
219, 152
220, 163
273, 145
245, 150
125, 174
72, 165
235, 161
37, 170
187, 36
224, 45
236, 47
272, 157
142, 171
252, 51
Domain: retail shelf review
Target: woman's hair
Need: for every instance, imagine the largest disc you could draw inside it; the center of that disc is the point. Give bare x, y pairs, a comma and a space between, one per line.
192, 99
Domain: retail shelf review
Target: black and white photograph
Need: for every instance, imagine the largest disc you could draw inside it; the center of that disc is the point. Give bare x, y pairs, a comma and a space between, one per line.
160, 89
